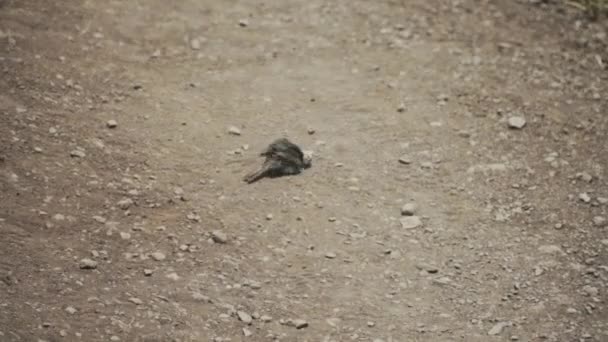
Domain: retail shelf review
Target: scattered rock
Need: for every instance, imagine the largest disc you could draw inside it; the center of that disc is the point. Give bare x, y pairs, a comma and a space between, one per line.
135, 301
498, 328
111, 124
599, 221
195, 44
158, 256
266, 319
201, 297
88, 264
77, 154
244, 317
300, 323
173, 276
405, 160
590, 290
584, 197
311, 131
408, 209
70, 310
410, 222
219, 237
233, 130
247, 332
584, 176
516, 122
330, 255
427, 267
243, 23
148, 272
125, 203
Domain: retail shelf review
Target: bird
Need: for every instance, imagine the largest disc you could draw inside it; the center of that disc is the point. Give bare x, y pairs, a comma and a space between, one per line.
282, 158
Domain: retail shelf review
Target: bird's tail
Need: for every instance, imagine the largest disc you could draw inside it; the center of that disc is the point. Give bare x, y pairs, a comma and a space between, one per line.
257, 175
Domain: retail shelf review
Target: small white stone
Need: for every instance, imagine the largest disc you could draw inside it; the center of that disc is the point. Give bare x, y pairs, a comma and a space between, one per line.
233, 130
408, 209
330, 255
195, 44
516, 122
77, 154
136, 301
410, 222
111, 124
158, 256
498, 328
300, 323
88, 264
125, 203
584, 197
173, 276
219, 237
599, 221
244, 317
71, 310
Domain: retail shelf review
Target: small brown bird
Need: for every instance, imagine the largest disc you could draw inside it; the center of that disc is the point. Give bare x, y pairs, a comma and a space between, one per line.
282, 158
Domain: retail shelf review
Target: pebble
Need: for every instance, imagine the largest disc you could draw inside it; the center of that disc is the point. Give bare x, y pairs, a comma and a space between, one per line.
590, 290
71, 310
158, 256
266, 319
201, 297
136, 301
428, 268
247, 332
599, 221
148, 272
173, 276
330, 255
244, 317
111, 124
311, 131
584, 197
516, 122
243, 23
88, 264
498, 328
550, 249
219, 237
410, 222
125, 203
269, 217
195, 44
77, 154
405, 160
233, 130
584, 176
300, 323
408, 209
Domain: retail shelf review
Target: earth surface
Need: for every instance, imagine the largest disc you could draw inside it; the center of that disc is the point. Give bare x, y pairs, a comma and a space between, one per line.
458, 190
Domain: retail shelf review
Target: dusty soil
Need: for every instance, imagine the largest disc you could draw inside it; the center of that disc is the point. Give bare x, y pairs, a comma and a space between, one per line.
146, 232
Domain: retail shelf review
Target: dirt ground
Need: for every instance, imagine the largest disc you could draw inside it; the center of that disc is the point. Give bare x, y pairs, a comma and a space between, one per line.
146, 231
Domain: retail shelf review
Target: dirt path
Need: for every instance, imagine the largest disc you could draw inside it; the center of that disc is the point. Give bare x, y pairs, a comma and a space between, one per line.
146, 232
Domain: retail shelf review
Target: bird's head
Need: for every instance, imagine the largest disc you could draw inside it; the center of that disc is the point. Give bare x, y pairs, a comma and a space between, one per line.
307, 158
